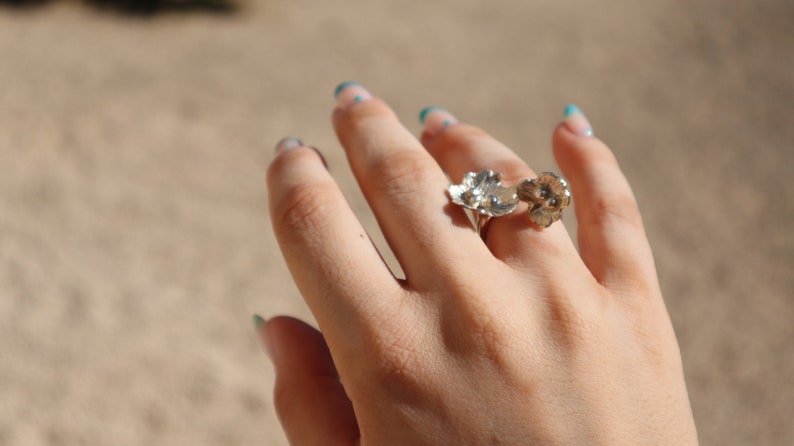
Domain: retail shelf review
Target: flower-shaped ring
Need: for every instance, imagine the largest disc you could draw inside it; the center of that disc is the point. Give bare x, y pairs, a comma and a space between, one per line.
547, 195
483, 193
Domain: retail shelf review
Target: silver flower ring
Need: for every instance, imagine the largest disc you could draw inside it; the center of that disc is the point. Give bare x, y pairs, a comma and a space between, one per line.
483, 194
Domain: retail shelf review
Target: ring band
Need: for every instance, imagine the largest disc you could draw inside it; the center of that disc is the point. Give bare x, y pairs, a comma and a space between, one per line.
483, 194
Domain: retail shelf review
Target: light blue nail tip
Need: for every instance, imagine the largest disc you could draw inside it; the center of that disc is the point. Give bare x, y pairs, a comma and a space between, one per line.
570, 109
358, 98
344, 85
290, 142
426, 111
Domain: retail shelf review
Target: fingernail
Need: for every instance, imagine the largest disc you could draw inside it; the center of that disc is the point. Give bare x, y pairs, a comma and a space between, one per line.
576, 121
288, 143
267, 343
436, 119
348, 93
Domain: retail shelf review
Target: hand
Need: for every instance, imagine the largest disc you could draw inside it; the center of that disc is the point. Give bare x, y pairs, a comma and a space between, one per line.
517, 340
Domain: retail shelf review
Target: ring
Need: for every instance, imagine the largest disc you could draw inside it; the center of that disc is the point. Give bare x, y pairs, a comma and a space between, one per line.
483, 193
547, 196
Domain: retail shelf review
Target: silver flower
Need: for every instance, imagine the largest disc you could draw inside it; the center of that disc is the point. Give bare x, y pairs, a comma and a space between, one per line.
482, 193
547, 196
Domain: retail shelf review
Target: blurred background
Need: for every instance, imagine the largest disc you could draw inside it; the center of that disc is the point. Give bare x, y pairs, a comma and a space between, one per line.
134, 137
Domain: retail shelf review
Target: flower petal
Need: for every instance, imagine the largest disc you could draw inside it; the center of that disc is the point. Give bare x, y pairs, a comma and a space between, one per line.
483, 193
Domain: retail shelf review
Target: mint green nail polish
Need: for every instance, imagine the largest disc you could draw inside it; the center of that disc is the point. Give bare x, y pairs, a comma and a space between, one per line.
569, 110
344, 85
576, 121
258, 321
351, 93
425, 111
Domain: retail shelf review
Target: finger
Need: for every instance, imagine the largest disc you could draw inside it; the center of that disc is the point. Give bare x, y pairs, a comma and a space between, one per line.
404, 186
309, 398
612, 241
332, 260
461, 148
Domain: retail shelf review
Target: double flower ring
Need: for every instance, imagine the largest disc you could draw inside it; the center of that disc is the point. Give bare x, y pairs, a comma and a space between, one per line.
483, 193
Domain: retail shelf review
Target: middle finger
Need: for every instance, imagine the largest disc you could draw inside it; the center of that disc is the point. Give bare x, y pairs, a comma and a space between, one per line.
405, 188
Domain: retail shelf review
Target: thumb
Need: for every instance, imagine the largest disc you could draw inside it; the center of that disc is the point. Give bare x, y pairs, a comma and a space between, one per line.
309, 398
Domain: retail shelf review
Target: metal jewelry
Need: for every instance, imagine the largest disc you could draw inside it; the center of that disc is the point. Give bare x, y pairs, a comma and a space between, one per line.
547, 196
483, 193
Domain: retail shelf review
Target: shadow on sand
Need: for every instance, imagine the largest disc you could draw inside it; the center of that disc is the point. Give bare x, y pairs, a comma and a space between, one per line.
142, 7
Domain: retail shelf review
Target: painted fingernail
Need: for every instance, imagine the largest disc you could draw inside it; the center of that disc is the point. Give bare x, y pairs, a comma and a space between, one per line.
267, 343
576, 121
348, 93
436, 119
288, 143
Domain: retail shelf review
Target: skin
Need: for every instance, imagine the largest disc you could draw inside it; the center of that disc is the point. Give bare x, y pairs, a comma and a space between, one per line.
520, 340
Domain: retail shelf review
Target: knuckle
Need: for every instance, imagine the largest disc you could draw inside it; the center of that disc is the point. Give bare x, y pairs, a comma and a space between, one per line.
493, 337
615, 204
402, 172
399, 366
636, 284
619, 210
570, 324
655, 354
304, 207
483, 330
397, 358
655, 337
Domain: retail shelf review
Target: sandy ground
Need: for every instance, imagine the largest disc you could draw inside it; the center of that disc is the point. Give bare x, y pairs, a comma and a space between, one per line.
134, 240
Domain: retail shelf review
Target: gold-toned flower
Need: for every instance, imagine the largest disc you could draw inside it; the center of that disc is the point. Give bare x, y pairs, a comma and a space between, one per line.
547, 195
483, 193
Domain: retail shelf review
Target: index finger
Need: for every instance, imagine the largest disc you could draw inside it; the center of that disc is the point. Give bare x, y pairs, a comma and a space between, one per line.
337, 269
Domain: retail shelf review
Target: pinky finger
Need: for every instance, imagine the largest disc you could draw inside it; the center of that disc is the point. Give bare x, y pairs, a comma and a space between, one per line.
310, 401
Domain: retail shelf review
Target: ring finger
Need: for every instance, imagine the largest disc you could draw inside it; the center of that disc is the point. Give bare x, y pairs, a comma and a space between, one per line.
461, 148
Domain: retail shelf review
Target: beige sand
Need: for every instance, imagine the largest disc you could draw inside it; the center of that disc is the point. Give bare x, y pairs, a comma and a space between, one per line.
134, 239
